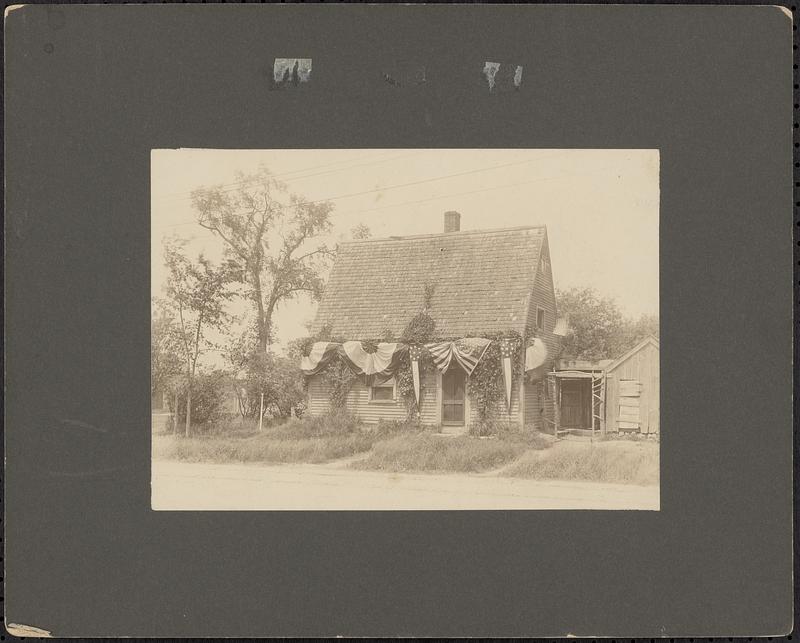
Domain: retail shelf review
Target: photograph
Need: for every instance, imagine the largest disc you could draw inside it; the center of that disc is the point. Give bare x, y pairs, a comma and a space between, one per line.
405, 329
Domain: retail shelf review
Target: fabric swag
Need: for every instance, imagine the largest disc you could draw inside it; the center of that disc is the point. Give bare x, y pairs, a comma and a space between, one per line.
467, 352
376, 367
321, 355
535, 354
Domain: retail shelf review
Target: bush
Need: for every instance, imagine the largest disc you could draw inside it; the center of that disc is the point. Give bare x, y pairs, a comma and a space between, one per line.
209, 392
281, 382
340, 422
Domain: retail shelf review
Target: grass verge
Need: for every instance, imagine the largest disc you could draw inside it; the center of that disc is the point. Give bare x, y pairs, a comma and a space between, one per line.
262, 448
312, 440
637, 463
424, 452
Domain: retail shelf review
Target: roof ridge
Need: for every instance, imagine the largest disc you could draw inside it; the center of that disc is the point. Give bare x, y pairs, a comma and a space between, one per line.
430, 235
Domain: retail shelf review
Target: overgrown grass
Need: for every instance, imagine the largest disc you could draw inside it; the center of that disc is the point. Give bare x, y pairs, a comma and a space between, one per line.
264, 448
425, 452
600, 462
310, 439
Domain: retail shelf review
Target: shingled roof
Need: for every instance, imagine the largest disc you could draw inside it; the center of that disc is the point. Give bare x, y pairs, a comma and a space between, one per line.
482, 281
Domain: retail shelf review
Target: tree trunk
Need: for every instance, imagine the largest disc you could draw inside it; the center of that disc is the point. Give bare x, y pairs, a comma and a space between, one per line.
189, 408
261, 319
268, 319
175, 412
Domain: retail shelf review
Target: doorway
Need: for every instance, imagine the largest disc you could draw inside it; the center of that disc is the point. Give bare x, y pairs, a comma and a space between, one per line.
576, 396
454, 385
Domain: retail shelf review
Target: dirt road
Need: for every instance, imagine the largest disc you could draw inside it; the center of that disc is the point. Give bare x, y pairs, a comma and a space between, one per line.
177, 485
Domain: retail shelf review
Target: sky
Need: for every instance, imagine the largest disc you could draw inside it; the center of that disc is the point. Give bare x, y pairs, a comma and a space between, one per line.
601, 207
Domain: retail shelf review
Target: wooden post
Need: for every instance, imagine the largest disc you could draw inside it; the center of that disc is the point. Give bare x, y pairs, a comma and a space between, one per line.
556, 405
175, 412
594, 415
261, 414
603, 404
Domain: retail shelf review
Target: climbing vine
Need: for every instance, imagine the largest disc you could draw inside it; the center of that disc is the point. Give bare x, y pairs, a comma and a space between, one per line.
486, 386
418, 331
339, 379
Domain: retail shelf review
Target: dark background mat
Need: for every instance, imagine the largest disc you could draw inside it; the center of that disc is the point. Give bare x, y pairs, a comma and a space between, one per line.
91, 89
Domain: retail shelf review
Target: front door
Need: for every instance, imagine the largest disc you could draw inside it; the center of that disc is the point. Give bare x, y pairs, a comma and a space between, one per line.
453, 396
574, 404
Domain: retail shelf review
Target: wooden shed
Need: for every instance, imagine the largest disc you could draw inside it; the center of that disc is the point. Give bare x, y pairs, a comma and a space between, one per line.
632, 390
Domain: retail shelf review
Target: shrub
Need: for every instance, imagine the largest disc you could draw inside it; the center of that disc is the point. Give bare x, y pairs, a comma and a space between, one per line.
339, 422
208, 399
281, 382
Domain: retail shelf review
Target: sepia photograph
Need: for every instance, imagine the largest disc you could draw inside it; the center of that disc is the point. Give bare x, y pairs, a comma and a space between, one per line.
405, 329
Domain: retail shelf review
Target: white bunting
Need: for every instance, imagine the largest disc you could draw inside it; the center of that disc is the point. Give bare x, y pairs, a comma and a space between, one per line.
535, 354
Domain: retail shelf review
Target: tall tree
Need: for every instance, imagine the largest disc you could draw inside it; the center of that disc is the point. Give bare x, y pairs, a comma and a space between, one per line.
197, 290
165, 347
598, 329
272, 234
361, 231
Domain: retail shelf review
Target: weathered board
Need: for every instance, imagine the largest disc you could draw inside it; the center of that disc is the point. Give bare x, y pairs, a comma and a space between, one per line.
633, 386
632, 416
630, 388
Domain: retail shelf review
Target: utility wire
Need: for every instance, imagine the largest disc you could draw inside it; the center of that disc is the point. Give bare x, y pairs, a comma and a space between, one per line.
227, 187
403, 185
447, 196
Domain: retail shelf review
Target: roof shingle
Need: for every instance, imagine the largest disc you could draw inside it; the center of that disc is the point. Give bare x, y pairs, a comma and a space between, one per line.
481, 279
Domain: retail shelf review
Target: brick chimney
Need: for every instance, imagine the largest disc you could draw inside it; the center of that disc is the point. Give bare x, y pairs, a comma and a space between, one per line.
452, 221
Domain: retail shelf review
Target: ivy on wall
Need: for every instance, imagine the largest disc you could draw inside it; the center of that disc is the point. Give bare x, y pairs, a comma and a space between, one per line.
485, 387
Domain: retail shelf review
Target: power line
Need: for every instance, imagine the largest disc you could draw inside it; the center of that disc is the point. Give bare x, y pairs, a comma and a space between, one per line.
227, 187
436, 178
448, 196
402, 185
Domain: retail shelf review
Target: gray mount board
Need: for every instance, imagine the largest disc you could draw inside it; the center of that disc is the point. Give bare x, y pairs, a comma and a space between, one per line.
90, 90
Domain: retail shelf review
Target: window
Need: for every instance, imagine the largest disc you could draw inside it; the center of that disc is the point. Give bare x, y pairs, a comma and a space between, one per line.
383, 392
539, 317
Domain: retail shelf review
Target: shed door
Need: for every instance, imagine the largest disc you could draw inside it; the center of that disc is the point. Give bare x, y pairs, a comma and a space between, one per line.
453, 396
575, 404
629, 418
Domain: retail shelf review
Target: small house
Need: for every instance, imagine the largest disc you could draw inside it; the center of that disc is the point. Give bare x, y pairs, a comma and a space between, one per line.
471, 282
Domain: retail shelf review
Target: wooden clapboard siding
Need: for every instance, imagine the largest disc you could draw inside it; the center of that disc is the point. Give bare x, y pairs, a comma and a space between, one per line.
543, 296
318, 395
538, 406
532, 403
429, 410
498, 411
632, 394
371, 412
